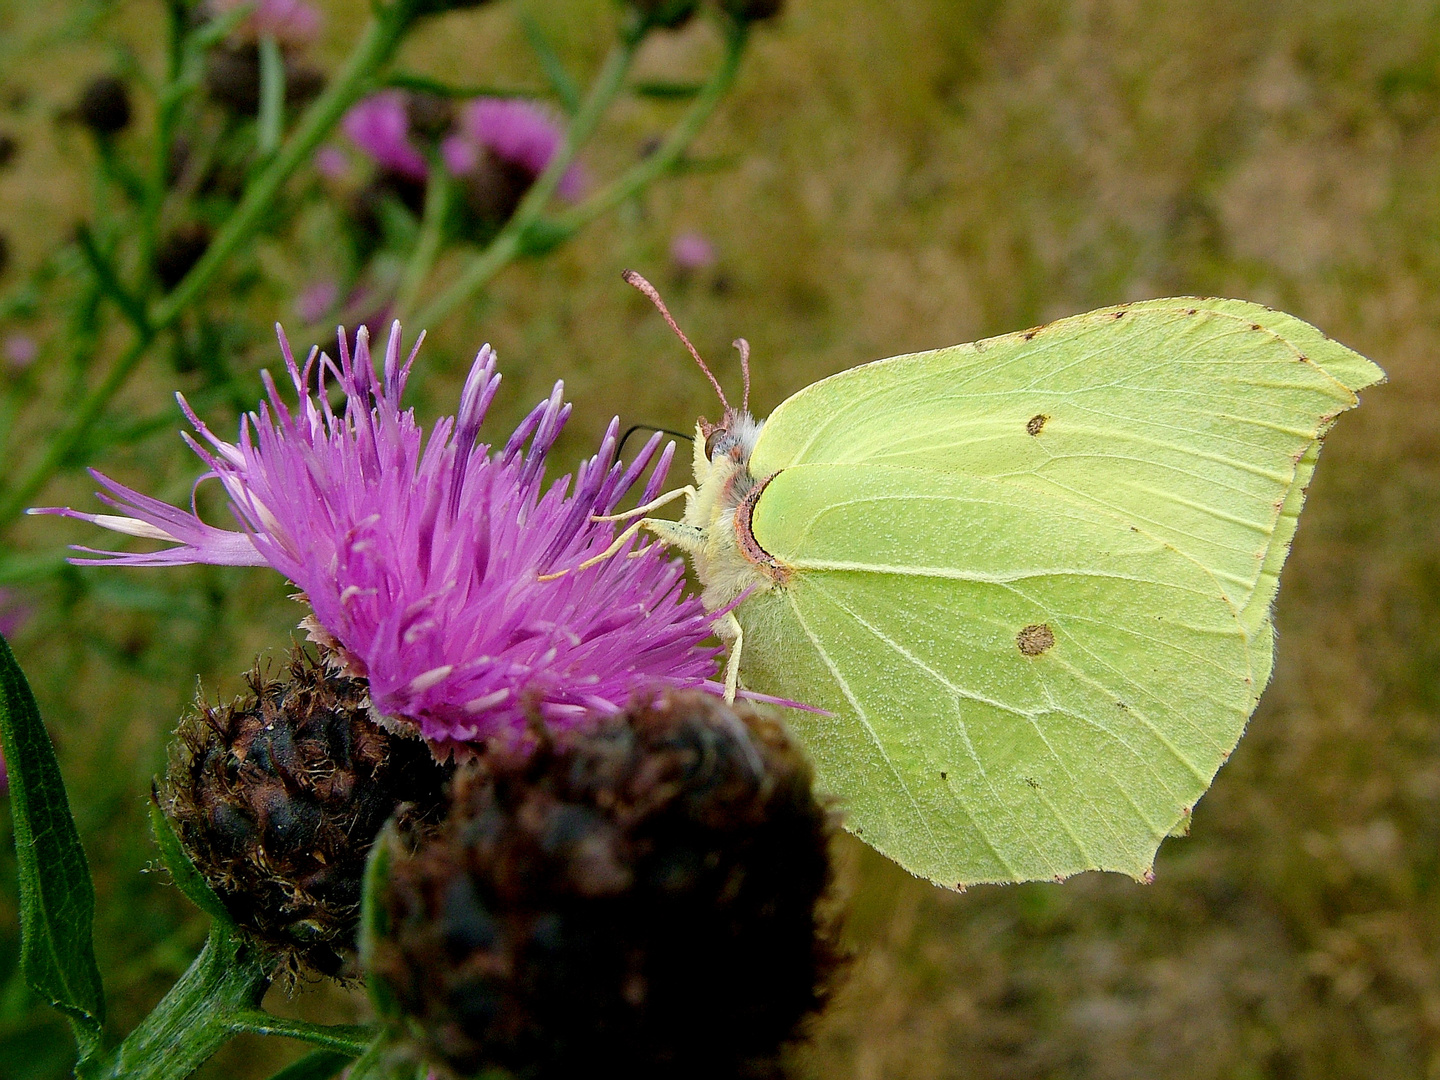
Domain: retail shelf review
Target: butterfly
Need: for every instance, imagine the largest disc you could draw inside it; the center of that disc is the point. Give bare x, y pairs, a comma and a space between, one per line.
1028, 581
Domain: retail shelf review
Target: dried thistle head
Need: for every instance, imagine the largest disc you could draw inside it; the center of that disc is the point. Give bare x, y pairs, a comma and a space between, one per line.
646, 896
277, 797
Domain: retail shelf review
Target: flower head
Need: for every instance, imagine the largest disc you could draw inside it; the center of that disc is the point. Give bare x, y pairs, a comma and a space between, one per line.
647, 897
20, 350
428, 563
380, 127
691, 251
517, 132
291, 22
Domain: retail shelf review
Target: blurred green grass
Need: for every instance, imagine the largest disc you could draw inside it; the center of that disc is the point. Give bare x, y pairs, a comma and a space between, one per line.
902, 176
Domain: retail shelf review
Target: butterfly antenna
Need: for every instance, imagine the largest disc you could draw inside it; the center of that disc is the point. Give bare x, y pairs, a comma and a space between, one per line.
633, 278
744, 347
633, 428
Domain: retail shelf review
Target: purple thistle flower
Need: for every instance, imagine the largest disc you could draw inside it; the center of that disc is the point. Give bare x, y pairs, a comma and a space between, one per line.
422, 559
15, 612
20, 350
292, 22
691, 251
380, 127
514, 130
330, 163
316, 300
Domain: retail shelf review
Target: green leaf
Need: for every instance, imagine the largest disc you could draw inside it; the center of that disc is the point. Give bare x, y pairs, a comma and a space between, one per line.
182, 871
57, 899
321, 1065
666, 90
566, 88
375, 922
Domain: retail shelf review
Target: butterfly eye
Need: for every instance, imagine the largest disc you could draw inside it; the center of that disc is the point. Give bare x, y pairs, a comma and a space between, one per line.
713, 440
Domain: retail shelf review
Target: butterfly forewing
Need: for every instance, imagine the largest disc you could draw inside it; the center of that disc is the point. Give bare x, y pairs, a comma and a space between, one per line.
1032, 577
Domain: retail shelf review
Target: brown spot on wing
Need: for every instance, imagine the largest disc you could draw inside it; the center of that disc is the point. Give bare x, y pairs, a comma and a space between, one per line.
1035, 639
1035, 423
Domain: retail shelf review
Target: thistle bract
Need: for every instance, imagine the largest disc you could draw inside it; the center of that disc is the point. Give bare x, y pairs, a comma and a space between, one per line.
428, 562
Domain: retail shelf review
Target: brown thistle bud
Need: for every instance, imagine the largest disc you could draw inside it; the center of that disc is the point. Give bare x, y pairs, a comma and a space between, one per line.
179, 250
753, 10
644, 900
104, 106
278, 796
665, 14
232, 78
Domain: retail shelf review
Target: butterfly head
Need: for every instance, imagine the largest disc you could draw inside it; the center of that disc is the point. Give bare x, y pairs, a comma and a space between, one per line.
725, 447
727, 444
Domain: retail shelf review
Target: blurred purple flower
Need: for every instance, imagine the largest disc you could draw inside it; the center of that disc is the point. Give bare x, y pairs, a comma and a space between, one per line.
317, 300
331, 163
291, 22
380, 126
15, 612
691, 251
424, 560
21, 350
521, 132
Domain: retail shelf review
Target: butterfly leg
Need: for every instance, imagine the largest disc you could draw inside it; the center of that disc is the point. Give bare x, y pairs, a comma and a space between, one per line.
729, 631
689, 538
653, 504
620, 542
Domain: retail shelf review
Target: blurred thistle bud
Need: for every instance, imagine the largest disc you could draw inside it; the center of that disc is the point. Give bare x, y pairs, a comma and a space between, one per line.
645, 897
664, 14
278, 796
104, 106
178, 251
748, 11
232, 78
9, 145
439, 7
430, 116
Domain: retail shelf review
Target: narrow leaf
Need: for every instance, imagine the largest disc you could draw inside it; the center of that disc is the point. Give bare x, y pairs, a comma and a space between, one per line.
374, 920
320, 1065
665, 90
565, 87
57, 899
182, 871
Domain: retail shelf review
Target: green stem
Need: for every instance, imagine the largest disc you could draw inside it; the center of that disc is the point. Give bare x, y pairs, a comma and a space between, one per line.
172, 100
427, 245
271, 120
131, 307
379, 42
344, 1038
195, 1018
374, 48
508, 242
668, 156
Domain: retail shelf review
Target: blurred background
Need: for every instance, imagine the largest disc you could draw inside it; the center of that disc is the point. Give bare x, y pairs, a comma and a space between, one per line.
886, 177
